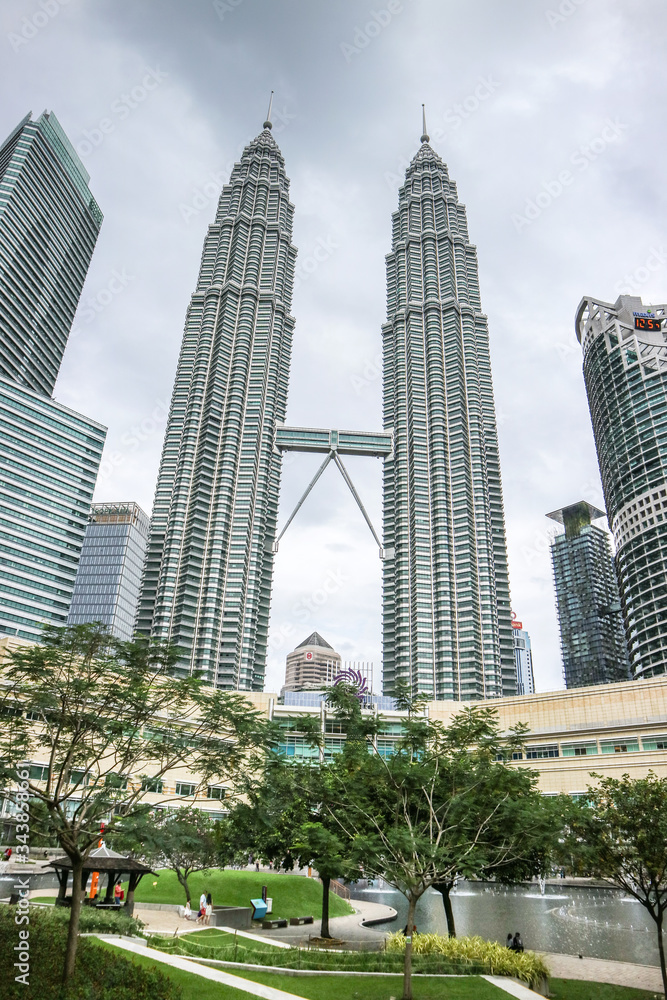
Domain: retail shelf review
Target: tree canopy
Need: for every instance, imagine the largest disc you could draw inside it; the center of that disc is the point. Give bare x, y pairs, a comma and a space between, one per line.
106, 720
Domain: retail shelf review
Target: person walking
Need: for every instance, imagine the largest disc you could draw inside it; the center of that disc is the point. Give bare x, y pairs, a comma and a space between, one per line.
209, 908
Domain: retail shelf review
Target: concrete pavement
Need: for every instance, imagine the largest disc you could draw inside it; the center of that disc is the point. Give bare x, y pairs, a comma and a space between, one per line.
598, 970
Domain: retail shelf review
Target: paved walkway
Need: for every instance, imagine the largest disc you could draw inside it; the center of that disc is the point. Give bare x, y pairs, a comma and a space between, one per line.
598, 970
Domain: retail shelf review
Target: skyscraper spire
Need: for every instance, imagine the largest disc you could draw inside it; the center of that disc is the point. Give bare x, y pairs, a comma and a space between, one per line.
425, 136
267, 123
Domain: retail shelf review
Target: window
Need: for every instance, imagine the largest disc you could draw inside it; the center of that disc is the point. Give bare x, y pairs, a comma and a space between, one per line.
183, 788
547, 750
215, 792
654, 742
39, 772
623, 744
578, 749
151, 785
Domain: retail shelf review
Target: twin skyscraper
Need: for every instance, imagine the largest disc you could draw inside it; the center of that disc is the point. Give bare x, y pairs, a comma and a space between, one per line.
208, 576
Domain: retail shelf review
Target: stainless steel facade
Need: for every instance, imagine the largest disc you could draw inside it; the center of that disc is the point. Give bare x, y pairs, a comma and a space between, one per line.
446, 607
208, 574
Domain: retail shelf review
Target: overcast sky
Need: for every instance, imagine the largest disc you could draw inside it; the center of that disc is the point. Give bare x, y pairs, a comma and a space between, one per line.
551, 117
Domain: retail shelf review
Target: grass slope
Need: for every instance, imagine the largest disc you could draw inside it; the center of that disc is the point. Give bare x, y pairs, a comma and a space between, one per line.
574, 989
193, 987
378, 987
293, 895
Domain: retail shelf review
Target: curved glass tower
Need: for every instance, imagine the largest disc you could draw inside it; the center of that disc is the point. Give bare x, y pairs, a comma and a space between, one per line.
207, 580
625, 370
49, 224
446, 615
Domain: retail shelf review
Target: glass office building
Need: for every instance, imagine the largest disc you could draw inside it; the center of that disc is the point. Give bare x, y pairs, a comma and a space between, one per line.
49, 457
523, 658
49, 223
209, 567
625, 369
589, 611
108, 580
446, 607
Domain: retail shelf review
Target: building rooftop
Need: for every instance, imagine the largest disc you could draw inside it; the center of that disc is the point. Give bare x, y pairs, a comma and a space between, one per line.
314, 639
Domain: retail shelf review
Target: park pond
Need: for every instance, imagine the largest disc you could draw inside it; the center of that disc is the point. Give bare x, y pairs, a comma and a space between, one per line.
595, 922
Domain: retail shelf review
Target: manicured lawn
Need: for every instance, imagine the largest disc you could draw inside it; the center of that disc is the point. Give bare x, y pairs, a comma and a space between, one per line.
194, 987
293, 895
379, 987
574, 989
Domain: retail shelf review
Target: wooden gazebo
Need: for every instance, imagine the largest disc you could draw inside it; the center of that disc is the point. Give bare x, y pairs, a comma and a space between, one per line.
106, 862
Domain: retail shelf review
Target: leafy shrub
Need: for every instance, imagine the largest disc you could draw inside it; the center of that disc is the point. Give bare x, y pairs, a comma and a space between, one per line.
101, 974
94, 921
496, 959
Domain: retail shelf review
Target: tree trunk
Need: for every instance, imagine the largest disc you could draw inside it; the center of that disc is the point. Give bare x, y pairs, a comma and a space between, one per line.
661, 949
444, 889
73, 929
407, 964
324, 929
183, 879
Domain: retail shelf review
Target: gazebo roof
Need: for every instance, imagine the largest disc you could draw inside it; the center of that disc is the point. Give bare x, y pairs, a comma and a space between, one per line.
105, 860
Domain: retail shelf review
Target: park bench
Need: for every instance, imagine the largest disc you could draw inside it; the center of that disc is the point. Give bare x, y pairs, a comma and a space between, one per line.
270, 925
298, 921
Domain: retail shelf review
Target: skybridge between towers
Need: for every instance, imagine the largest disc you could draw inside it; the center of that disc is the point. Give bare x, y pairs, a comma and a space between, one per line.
333, 444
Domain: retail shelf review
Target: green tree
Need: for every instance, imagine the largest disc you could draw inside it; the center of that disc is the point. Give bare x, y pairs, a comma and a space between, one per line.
284, 820
618, 832
183, 840
447, 802
98, 712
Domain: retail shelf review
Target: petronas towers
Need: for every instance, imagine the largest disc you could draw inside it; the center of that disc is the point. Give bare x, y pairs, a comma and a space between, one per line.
207, 581
447, 626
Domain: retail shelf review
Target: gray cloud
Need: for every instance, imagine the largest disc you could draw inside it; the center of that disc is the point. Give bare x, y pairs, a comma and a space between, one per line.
349, 126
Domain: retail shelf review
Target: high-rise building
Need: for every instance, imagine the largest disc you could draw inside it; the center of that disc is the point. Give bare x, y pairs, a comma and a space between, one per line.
625, 369
309, 667
446, 606
208, 574
523, 658
49, 223
108, 580
591, 628
49, 457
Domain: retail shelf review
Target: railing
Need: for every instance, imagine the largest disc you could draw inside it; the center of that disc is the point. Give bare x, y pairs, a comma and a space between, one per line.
339, 889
